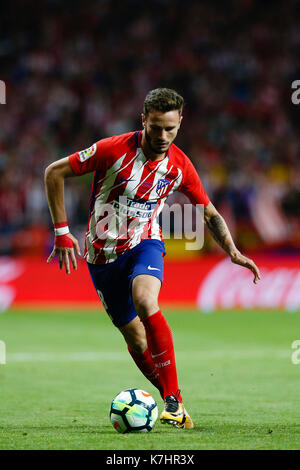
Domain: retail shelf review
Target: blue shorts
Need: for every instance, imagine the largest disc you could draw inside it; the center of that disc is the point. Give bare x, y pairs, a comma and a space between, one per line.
113, 281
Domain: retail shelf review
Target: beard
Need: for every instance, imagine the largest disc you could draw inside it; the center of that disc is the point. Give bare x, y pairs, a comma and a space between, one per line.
153, 149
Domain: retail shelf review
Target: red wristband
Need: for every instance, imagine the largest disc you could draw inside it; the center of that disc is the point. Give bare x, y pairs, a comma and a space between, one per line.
61, 228
61, 224
61, 231
64, 241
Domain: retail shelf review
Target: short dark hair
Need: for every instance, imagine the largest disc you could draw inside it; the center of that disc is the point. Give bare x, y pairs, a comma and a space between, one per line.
164, 100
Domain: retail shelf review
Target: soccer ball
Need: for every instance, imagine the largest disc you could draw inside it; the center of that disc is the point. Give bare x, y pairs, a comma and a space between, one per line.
133, 410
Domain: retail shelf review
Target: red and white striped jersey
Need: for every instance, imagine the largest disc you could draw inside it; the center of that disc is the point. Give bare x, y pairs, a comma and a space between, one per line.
129, 192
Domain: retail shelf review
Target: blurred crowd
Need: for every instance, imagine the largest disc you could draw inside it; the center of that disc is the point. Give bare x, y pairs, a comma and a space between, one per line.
76, 72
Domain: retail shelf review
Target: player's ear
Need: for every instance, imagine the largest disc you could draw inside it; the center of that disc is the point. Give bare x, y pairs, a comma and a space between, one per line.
180, 120
143, 120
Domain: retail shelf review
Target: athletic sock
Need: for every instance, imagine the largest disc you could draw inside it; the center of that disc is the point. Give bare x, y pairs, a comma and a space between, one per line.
160, 344
146, 365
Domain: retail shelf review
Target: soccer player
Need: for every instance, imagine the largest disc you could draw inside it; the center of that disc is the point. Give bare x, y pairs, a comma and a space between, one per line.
134, 173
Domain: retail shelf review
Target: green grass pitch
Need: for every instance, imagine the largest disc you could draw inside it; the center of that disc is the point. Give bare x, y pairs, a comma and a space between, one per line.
235, 372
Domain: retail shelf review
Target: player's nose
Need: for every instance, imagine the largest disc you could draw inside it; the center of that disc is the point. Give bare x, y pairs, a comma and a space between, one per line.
163, 135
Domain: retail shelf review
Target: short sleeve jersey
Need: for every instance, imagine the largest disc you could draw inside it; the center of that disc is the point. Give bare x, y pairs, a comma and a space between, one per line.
129, 192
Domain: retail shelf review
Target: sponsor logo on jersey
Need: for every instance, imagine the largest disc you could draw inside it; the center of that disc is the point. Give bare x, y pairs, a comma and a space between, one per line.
133, 208
162, 186
87, 153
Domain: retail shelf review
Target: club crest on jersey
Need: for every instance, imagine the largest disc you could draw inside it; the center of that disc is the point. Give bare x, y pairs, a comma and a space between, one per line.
87, 153
162, 186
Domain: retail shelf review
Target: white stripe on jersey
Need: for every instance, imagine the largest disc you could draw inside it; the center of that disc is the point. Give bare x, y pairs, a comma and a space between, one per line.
130, 190
107, 184
155, 227
135, 175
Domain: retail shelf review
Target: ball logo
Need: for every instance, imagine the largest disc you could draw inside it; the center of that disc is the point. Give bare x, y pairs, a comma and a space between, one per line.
87, 153
133, 410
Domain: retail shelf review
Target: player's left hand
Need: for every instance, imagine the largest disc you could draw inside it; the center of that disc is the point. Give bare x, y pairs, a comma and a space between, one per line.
238, 258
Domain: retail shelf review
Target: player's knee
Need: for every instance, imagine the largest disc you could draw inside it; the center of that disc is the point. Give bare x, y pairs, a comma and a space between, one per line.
135, 335
136, 340
145, 304
138, 345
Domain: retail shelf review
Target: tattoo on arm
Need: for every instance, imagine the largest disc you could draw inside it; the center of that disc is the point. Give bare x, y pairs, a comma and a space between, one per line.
220, 232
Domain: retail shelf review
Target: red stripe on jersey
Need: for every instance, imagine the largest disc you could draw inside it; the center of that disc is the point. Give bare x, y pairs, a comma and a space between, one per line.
146, 183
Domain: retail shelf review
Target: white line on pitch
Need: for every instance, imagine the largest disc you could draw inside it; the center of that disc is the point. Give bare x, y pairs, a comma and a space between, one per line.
72, 356
123, 356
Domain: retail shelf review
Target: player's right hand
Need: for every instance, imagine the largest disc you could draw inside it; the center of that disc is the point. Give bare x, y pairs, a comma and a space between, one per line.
242, 260
64, 252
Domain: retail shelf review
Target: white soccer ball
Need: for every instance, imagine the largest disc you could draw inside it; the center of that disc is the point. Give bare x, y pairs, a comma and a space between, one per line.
133, 410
